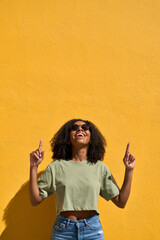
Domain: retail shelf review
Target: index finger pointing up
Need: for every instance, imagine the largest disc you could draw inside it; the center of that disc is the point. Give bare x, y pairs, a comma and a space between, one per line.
127, 149
40, 145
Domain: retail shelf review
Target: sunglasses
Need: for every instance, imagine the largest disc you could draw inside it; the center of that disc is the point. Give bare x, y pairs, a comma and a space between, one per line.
75, 127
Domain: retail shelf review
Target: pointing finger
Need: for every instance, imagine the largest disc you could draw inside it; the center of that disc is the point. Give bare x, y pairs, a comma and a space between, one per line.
40, 145
127, 149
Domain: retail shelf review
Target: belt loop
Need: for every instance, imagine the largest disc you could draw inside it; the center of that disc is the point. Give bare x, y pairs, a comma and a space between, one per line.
68, 221
86, 222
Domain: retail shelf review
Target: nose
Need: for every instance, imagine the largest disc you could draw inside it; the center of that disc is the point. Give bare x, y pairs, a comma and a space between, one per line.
80, 128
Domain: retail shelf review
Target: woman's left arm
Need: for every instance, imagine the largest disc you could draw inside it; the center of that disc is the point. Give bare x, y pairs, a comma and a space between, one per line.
129, 162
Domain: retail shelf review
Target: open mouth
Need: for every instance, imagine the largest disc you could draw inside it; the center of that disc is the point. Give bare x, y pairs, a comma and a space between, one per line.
80, 135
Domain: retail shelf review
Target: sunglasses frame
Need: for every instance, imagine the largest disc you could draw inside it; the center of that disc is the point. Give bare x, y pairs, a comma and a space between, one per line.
84, 126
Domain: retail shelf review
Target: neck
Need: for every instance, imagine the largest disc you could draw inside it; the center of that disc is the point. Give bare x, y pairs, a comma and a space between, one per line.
79, 154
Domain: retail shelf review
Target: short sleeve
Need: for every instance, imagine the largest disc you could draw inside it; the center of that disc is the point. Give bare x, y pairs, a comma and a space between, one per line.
109, 188
46, 183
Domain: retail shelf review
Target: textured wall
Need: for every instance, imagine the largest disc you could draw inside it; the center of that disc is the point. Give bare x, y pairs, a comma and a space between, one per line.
98, 60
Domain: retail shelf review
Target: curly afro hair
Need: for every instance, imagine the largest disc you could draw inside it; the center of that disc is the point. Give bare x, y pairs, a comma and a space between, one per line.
61, 145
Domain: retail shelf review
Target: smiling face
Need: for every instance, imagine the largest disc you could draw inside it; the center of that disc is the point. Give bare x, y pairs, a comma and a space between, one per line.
80, 135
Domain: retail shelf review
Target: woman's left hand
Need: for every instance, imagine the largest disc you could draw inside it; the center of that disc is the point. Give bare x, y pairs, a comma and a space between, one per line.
129, 160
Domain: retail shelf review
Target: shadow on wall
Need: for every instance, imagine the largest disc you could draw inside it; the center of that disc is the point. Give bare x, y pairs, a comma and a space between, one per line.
24, 221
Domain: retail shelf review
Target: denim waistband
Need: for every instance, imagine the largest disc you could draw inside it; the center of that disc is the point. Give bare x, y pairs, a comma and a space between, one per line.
68, 220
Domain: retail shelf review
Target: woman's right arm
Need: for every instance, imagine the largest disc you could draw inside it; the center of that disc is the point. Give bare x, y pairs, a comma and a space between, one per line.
36, 158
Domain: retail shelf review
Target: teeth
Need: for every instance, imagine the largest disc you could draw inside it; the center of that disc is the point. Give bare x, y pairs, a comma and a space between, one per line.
80, 134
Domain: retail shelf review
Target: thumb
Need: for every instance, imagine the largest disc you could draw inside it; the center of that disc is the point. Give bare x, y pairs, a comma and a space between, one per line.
43, 152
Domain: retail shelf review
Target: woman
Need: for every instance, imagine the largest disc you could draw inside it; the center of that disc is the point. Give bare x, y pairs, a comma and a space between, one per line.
78, 176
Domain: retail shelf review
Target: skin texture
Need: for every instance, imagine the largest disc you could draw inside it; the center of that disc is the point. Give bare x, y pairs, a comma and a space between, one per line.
129, 162
36, 158
80, 145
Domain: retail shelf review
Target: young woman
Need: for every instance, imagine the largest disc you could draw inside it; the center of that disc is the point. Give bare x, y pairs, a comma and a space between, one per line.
78, 176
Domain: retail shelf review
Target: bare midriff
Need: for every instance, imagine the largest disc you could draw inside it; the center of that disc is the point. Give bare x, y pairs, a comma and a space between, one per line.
77, 215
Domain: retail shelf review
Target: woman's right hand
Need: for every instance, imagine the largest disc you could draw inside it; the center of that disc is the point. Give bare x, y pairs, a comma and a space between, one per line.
37, 156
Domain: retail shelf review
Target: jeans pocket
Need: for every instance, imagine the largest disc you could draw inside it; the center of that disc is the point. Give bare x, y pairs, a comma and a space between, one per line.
95, 225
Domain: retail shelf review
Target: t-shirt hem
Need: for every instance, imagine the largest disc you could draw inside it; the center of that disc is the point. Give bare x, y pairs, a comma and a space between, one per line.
77, 209
116, 194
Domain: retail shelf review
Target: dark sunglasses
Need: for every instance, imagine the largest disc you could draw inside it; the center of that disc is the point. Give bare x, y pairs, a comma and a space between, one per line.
75, 127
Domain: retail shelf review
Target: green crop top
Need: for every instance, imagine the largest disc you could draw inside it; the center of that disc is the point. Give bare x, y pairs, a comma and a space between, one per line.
77, 185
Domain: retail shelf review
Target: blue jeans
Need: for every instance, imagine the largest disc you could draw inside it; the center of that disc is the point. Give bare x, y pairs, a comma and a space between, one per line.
85, 229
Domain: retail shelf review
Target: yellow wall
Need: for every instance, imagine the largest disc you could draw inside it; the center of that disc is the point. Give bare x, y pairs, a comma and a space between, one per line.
98, 60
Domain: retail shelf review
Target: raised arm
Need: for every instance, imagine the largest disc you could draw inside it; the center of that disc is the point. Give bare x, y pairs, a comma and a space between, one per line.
129, 162
36, 158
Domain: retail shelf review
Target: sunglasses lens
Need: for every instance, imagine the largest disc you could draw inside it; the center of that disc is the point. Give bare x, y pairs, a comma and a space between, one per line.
75, 127
85, 127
